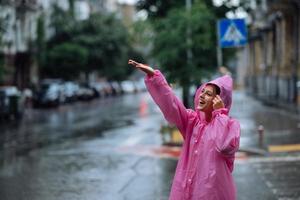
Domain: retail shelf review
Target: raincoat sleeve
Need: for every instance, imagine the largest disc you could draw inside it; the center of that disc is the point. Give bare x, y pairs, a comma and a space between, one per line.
227, 132
173, 109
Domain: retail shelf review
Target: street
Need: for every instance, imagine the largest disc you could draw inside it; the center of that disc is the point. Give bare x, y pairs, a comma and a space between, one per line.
111, 149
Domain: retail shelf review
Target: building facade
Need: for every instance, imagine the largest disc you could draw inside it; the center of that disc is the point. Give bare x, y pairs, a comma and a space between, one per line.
19, 22
19, 19
273, 52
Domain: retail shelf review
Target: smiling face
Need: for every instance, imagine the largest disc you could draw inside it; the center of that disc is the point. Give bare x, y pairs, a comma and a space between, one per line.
207, 95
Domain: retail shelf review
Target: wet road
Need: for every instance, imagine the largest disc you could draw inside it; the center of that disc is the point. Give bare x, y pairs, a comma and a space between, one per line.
82, 151
110, 149
89, 119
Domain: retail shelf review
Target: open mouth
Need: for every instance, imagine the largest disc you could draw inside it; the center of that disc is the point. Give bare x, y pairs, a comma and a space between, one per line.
201, 102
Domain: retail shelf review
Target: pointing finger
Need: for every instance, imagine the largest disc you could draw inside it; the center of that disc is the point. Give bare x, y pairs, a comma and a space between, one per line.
132, 62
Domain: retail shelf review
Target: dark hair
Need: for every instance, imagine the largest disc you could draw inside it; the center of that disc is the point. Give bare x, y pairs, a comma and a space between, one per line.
218, 90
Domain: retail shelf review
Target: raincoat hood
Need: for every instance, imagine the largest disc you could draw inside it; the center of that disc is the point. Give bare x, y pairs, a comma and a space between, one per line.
225, 85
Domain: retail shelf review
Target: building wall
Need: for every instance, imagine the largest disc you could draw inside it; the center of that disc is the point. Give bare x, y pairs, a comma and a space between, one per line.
273, 52
21, 24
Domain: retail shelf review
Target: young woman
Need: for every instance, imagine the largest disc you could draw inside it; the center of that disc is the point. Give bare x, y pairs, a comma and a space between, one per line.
211, 137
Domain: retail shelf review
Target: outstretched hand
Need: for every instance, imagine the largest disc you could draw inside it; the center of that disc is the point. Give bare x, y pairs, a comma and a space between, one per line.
143, 67
218, 103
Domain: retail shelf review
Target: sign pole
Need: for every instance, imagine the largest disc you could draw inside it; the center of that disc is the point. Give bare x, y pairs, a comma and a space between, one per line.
219, 49
219, 56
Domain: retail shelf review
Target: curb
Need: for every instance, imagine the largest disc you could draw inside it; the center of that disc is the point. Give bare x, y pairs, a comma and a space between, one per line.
253, 151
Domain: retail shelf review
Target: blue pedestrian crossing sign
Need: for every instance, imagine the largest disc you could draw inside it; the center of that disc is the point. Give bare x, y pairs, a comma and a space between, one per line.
232, 32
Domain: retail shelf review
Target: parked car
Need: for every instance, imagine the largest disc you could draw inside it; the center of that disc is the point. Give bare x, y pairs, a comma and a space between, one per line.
48, 94
102, 87
128, 87
11, 103
70, 91
140, 85
116, 88
86, 93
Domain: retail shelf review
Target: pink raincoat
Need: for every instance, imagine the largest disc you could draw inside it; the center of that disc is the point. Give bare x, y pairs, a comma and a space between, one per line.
207, 158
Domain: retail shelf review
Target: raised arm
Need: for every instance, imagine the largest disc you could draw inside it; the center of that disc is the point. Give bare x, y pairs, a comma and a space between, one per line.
173, 109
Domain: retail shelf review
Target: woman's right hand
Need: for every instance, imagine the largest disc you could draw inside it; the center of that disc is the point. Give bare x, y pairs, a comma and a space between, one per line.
145, 68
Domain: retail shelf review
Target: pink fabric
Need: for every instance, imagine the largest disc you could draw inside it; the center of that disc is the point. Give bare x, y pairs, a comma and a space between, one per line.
207, 157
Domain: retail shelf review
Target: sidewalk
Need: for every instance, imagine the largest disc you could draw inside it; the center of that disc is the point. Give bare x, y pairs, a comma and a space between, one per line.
280, 127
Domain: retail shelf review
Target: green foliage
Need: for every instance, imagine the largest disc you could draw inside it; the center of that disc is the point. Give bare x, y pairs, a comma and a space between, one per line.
72, 8
62, 21
104, 37
66, 60
2, 71
179, 33
41, 41
141, 33
2, 30
158, 8
170, 23
170, 44
107, 41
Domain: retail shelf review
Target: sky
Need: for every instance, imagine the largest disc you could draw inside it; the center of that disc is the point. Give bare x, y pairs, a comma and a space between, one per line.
217, 2
240, 13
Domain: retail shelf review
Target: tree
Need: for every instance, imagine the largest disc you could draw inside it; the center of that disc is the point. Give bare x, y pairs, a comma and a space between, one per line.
2, 30
104, 37
1, 68
41, 41
66, 61
64, 25
158, 8
107, 41
170, 45
171, 22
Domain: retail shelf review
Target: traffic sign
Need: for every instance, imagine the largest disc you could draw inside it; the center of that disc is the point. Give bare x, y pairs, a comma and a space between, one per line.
232, 32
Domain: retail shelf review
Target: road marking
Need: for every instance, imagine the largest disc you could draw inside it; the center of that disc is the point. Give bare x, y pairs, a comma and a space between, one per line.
284, 148
270, 159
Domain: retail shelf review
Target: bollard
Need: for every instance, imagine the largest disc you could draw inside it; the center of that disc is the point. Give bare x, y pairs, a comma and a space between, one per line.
260, 130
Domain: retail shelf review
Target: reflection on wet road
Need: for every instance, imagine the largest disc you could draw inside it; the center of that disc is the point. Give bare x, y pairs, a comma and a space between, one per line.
43, 127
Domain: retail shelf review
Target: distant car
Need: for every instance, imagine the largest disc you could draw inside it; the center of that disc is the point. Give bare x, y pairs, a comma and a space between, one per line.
102, 87
116, 88
11, 103
70, 90
48, 94
128, 87
86, 93
140, 85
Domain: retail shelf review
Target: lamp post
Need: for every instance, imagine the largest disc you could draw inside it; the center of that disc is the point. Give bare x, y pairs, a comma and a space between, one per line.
188, 6
189, 56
